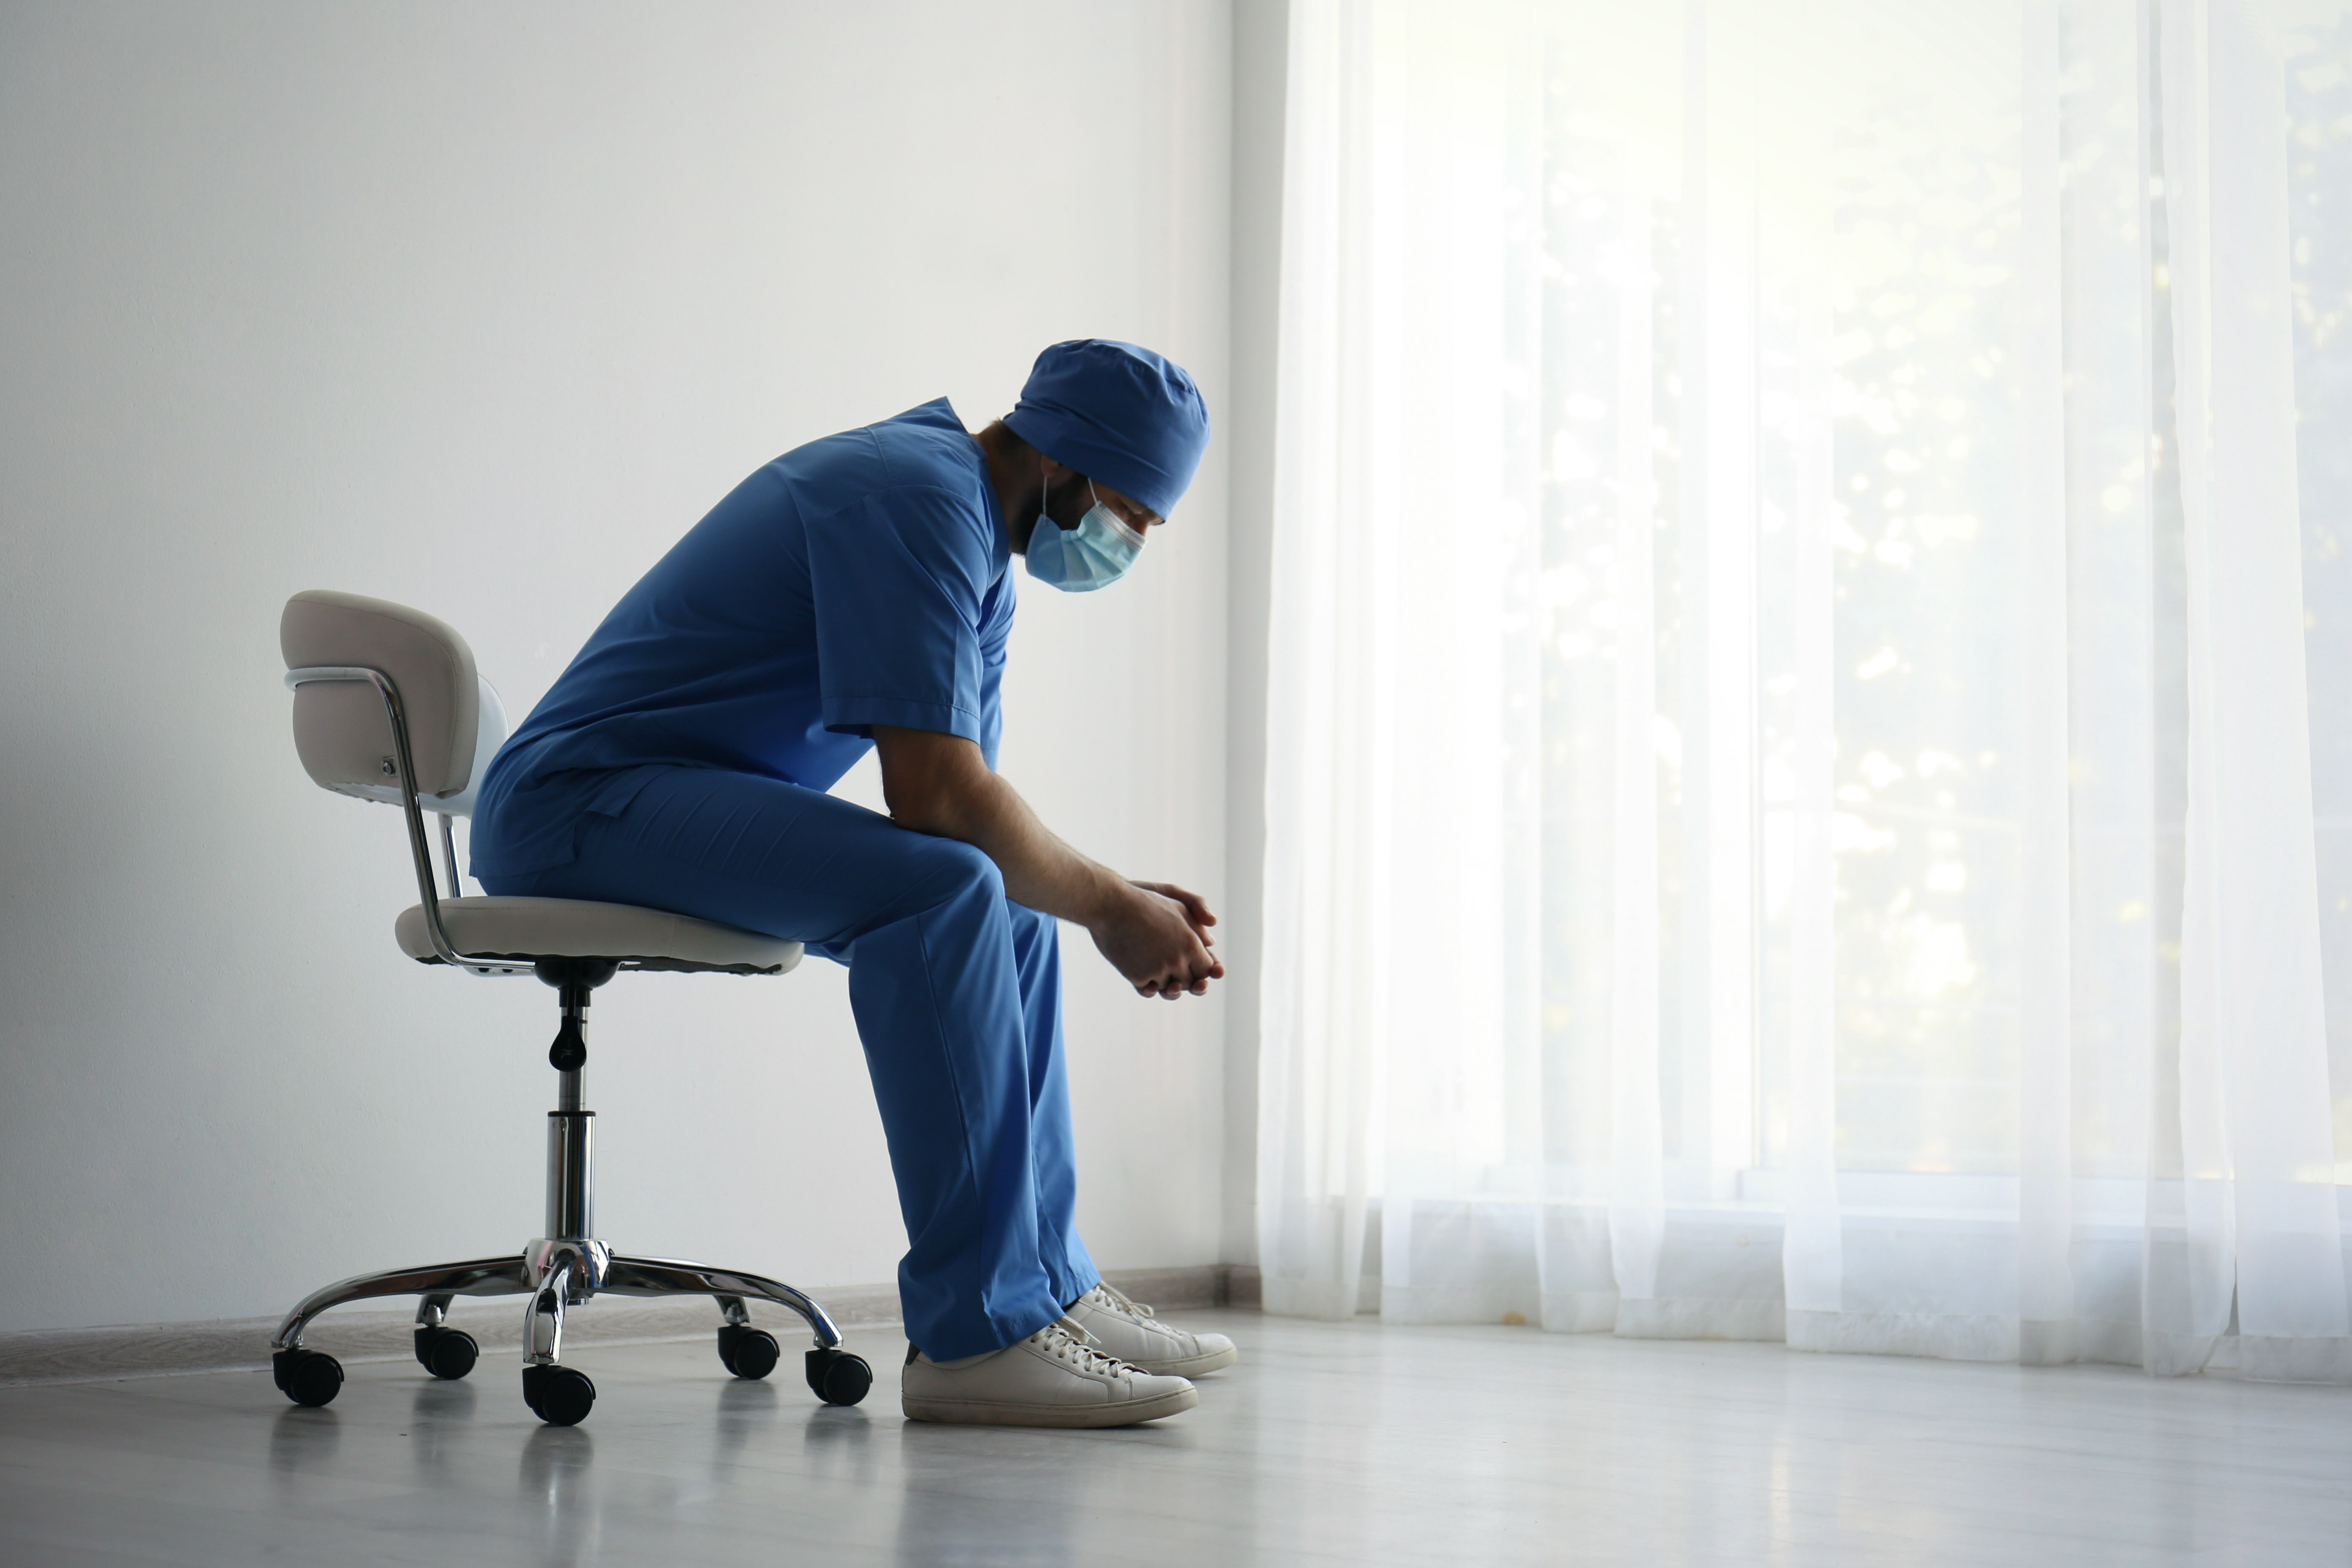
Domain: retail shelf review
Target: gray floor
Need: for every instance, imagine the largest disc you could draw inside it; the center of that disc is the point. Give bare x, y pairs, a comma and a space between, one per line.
1346, 1444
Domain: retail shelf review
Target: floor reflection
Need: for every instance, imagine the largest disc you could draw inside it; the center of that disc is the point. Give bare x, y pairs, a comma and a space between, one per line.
557, 1482
439, 1413
303, 1440
975, 1495
840, 1446
746, 1409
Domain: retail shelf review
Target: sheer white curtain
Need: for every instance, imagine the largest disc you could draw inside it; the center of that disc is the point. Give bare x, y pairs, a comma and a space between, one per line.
1810, 782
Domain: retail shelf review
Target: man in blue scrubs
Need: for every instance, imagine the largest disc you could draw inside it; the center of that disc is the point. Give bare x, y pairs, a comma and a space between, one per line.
858, 593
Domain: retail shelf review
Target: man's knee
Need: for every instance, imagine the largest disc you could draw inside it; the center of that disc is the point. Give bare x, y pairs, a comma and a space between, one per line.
955, 868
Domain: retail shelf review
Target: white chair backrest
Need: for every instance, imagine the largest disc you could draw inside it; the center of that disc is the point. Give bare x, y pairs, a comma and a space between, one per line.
456, 721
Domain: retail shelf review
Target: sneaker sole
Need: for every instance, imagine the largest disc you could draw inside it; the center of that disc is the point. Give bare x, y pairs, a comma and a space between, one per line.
1215, 1361
982, 1413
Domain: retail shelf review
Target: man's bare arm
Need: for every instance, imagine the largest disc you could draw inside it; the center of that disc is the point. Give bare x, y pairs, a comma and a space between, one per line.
1154, 935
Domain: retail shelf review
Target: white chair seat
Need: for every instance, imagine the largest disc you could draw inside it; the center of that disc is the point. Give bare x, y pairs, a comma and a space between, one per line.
576, 928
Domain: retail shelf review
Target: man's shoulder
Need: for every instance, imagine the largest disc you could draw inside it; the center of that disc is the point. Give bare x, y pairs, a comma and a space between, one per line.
924, 449
928, 446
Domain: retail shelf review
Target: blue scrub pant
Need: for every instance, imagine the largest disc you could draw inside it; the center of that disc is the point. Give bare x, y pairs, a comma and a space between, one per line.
957, 995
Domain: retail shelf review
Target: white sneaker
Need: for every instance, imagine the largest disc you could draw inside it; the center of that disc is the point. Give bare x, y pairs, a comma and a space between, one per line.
1055, 1377
1129, 1330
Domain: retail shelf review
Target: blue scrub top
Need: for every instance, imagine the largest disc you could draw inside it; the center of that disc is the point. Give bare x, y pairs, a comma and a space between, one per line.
856, 581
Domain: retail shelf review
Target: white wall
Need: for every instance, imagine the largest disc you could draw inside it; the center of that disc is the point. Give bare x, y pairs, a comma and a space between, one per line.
477, 308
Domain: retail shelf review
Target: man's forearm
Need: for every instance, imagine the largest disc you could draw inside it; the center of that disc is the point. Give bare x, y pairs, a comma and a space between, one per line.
1039, 870
977, 806
1154, 935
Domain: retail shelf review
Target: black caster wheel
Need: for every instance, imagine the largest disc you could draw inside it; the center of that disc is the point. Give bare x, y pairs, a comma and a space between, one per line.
306, 1377
558, 1396
748, 1352
838, 1377
446, 1352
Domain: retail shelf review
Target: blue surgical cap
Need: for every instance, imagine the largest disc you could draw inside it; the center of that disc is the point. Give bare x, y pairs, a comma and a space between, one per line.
1117, 414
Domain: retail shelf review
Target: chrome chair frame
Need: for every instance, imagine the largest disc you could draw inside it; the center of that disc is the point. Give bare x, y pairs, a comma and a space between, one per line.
568, 1265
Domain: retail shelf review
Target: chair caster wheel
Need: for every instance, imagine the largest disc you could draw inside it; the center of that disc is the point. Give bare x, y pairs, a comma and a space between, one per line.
558, 1396
838, 1377
306, 1377
747, 1351
446, 1352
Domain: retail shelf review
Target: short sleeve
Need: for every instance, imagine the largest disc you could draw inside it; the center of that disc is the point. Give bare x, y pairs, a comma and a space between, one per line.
898, 580
996, 627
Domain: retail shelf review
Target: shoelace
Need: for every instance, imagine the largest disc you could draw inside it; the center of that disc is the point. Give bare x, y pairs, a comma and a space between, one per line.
1072, 1346
1110, 1298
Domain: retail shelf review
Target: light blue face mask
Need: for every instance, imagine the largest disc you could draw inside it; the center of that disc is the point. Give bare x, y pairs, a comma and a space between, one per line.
1081, 560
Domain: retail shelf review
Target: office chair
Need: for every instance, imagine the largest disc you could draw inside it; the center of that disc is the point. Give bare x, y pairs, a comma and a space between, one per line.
388, 707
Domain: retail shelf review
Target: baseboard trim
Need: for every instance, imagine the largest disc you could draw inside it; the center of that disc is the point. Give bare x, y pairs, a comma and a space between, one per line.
240, 1344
